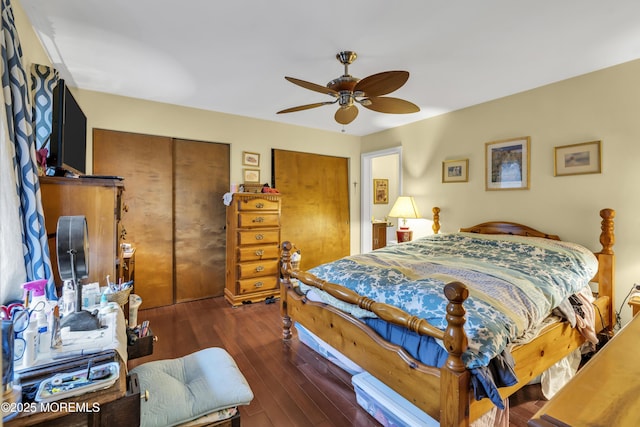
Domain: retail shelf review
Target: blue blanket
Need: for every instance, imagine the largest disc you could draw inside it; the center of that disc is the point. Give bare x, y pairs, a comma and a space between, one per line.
514, 283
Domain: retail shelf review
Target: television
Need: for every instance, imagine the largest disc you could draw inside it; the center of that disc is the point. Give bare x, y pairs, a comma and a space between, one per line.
68, 142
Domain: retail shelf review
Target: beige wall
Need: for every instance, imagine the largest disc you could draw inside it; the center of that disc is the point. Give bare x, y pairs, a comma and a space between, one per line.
604, 105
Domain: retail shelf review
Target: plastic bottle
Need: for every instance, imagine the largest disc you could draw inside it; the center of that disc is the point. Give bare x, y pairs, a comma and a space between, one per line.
134, 304
30, 336
68, 299
44, 335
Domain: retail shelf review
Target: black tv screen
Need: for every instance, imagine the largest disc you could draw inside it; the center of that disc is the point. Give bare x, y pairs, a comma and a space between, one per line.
68, 144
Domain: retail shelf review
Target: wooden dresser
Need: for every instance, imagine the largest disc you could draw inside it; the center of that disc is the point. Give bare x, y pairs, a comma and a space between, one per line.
100, 201
604, 392
253, 248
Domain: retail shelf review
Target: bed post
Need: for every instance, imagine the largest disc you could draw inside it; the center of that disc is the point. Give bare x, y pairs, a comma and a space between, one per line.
606, 262
436, 220
285, 284
454, 377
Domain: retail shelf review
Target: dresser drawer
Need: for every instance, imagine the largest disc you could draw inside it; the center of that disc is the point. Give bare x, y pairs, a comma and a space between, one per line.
266, 283
256, 253
258, 219
252, 237
258, 268
258, 204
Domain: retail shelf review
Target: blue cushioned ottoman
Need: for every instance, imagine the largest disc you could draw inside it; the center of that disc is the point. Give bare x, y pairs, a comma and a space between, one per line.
187, 388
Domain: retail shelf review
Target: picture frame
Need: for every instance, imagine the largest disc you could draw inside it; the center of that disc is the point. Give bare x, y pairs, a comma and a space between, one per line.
455, 170
578, 159
380, 191
250, 159
507, 164
251, 175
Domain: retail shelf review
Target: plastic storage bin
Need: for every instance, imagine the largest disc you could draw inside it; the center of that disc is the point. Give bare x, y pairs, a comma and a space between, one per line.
325, 350
386, 406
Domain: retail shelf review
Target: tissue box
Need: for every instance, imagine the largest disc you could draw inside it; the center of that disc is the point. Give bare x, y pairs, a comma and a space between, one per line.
386, 406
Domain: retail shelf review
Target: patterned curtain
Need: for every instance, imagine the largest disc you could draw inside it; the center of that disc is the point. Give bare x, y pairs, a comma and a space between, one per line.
43, 80
19, 128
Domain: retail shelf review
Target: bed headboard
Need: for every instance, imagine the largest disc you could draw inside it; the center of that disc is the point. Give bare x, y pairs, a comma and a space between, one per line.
502, 227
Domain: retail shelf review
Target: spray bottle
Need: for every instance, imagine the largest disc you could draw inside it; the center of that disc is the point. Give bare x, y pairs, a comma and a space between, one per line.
34, 293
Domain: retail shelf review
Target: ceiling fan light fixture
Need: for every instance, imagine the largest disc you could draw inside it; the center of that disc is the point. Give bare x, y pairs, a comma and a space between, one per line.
347, 89
346, 99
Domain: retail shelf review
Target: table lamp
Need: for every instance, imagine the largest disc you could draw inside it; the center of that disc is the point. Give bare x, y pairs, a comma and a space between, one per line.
404, 207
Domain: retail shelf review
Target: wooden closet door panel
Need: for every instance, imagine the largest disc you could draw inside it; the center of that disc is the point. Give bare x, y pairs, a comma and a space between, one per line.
145, 163
315, 204
201, 177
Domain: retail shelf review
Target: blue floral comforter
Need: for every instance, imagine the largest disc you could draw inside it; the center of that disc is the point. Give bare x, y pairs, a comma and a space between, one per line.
514, 282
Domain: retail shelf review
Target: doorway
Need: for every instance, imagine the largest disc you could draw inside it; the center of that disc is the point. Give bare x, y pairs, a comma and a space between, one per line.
369, 172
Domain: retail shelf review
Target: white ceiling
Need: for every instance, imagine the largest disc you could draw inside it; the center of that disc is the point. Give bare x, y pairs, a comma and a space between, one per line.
232, 56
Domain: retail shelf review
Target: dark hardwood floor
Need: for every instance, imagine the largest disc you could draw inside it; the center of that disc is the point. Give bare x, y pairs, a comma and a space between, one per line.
293, 386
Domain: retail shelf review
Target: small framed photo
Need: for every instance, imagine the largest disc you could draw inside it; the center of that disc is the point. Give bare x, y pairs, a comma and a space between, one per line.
578, 159
455, 170
507, 164
380, 191
250, 159
251, 175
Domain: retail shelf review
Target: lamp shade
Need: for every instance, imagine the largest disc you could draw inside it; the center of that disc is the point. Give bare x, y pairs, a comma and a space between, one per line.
404, 207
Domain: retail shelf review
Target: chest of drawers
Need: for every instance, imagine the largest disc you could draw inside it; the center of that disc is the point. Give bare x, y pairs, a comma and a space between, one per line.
253, 248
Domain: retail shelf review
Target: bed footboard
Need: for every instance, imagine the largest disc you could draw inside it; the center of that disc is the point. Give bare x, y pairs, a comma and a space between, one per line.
450, 383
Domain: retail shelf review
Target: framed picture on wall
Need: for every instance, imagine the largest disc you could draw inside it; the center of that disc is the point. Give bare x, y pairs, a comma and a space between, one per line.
578, 159
251, 175
250, 159
507, 164
380, 191
455, 170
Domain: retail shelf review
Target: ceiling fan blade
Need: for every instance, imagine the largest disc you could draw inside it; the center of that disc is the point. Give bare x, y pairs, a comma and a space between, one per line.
390, 105
305, 107
312, 86
346, 115
382, 83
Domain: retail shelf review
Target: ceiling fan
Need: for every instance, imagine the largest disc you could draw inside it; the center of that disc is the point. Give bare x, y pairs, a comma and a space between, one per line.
349, 91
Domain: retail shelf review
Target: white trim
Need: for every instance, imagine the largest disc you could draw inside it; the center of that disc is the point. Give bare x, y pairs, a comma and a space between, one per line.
366, 192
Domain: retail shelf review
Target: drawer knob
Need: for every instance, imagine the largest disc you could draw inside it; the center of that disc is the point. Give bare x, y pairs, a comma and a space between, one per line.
259, 236
259, 205
258, 219
259, 252
258, 284
259, 268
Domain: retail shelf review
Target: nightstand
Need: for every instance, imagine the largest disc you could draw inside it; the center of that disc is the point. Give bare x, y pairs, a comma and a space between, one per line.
634, 303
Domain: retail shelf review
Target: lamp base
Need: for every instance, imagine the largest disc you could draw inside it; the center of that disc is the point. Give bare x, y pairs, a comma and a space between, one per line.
404, 234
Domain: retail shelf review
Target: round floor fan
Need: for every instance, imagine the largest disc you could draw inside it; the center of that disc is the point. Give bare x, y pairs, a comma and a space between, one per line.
72, 246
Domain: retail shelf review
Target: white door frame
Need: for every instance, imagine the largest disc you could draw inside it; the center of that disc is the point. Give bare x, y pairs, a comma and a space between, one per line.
366, 194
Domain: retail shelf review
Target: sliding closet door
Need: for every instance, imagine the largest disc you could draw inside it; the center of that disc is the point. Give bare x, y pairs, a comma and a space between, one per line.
201, 177
175, 215
315, 204
145, 162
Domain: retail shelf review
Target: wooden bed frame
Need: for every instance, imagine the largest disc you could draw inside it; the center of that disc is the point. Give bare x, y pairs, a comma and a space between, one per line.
443, 393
